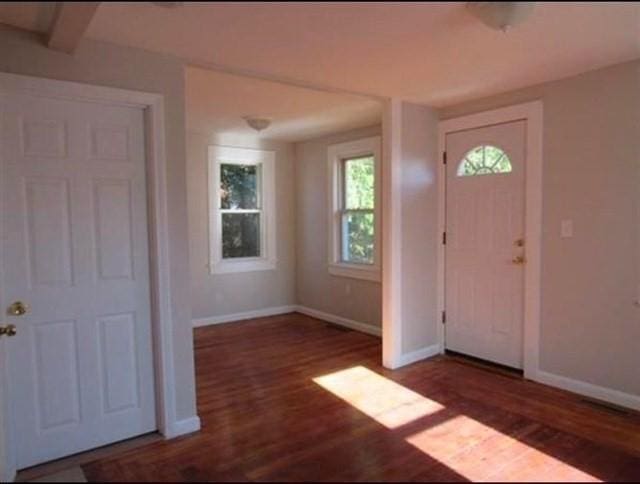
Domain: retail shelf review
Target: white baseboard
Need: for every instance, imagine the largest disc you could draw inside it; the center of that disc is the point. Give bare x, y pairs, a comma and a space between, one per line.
589, 390
417, 355
339, 320
183, 427
228, 318
7, 476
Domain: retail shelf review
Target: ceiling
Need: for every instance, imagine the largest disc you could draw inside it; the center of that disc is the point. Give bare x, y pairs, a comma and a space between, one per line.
432, 53
216, 104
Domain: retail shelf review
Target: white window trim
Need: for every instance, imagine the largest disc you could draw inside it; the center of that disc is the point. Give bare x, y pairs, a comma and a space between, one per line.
336, 154
242, 156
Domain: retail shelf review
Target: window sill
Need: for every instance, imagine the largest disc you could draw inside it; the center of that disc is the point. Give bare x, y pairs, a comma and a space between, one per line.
230, 267
355, 271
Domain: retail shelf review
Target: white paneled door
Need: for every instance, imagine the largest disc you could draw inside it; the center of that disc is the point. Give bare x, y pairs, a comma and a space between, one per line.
485, 245
75, 251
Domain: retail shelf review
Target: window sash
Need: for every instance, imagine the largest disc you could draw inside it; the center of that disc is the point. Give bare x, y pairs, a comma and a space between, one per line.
344, 235
343, 181
240, 210
222, 211
259, 183
261, 226
345, 211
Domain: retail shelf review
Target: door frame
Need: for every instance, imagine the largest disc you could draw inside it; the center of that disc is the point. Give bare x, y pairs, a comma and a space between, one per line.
532, 113
157, 219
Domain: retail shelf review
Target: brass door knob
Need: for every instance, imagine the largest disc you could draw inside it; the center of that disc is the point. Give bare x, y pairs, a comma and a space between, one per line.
18, 308
8, 330
518, 260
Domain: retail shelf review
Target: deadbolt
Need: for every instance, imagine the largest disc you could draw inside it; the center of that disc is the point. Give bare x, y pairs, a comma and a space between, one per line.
8, 330
18, 308
519, 243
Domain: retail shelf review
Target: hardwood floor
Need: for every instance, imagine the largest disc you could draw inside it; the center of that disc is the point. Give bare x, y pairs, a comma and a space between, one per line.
291, 398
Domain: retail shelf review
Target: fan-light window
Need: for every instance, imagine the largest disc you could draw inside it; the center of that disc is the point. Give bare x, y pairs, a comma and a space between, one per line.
484, 160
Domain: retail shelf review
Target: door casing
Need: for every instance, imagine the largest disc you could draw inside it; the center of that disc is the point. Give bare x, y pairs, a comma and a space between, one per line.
532, 113
161, 314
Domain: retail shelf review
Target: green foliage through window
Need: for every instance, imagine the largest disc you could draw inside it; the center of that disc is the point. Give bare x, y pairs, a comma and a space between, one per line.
484, 160
239, 186
358, 224
358, 181
240, 207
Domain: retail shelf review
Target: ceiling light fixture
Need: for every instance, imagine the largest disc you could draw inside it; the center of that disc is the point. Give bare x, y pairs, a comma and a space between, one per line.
257, 123
501, 15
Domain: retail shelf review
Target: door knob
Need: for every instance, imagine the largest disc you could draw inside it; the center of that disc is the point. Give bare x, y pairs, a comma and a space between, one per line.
518, 260
8, 330
18, 308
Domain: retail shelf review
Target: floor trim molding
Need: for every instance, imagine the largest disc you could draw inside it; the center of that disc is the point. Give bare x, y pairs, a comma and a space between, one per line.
7, 476
229, 318
347, 323
589, 390
277, 310
183, 427
417, 355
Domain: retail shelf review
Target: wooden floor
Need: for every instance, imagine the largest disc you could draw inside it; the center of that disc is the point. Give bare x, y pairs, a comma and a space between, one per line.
291, 398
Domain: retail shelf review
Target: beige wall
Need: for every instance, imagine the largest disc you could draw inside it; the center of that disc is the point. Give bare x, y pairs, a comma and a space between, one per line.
419, 159
109, 65
215, 295
590, 328
349, 298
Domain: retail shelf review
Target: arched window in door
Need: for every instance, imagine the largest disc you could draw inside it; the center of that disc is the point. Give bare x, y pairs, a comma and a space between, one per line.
484, 160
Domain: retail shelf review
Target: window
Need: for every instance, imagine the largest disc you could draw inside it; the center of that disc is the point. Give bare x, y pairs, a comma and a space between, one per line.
242, 209
484, 160
354, 221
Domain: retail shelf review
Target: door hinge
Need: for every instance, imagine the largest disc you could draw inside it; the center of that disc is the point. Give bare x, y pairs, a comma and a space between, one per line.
444, 238
444, 157
444, 317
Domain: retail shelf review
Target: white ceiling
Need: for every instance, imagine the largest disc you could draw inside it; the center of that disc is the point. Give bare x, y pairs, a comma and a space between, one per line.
434, 53
216, 104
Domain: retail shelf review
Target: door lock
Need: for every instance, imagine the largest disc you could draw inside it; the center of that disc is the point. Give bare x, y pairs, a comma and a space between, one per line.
18, 308
8, 330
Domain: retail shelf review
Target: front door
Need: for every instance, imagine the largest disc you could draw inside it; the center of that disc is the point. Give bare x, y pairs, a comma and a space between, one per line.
75, 254
485, 242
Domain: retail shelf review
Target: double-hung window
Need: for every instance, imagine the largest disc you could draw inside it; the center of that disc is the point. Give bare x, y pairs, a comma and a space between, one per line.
242, 209
354, 219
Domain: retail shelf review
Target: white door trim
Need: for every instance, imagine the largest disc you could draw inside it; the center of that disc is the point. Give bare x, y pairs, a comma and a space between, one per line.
161, 317
532, 113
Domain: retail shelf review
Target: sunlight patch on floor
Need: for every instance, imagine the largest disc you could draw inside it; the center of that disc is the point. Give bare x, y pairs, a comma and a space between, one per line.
389, 403
479, 452
468, 447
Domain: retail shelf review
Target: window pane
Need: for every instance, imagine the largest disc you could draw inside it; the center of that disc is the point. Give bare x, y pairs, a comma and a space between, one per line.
240, 235
359, 182
239, 186
358, 230
484, 160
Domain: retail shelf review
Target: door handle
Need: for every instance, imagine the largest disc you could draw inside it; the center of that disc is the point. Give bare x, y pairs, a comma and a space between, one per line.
8, 330
18, 308
519, 260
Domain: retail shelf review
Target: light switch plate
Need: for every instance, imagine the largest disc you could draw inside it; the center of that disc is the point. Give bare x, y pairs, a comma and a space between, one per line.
566, 229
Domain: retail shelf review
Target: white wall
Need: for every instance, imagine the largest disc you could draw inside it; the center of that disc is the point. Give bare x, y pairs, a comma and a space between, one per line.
216, 295
590, 328
109, 65
419, 160
349, 298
